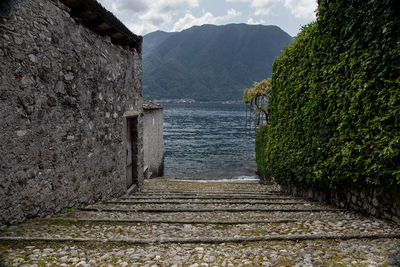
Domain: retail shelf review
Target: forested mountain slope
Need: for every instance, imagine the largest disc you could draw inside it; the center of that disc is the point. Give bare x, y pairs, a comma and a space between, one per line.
210, 62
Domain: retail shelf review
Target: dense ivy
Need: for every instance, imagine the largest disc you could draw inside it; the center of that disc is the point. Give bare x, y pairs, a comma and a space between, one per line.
261, 142
335, 103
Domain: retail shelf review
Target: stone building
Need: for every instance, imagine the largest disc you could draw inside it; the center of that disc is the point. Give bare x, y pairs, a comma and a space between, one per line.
153, 119
71, 107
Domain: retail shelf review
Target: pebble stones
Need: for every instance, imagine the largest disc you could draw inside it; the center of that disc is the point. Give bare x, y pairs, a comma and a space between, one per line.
317, 252
326, 253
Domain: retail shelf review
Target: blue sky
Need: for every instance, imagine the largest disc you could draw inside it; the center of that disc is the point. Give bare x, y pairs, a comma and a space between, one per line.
144, 16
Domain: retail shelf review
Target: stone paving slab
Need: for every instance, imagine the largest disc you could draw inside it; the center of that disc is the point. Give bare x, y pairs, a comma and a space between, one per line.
196, 240
197, 201
208, 206
239, 192
228, 196
225, 224
115, 230
261, 194
148, 196
172, 184
215, 216
157, 220
206, 209
379, 252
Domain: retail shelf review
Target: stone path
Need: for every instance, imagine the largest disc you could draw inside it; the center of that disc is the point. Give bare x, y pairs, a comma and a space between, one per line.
176, 223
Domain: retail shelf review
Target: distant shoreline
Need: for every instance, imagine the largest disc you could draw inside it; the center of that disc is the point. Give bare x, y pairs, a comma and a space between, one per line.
191, 101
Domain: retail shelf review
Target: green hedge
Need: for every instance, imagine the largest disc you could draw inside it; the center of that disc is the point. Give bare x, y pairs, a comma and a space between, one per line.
335, 103
261, 142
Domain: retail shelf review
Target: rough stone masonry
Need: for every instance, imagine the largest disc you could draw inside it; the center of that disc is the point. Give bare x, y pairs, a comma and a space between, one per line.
64, 90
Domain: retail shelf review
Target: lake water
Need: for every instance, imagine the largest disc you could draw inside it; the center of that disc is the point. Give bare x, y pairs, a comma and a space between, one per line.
209, 141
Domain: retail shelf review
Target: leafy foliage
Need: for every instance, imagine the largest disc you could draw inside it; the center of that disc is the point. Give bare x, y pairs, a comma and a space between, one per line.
257, 97
261, 142
335, 102
210, 62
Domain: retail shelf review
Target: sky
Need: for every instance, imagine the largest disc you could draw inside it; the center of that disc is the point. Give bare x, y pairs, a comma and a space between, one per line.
145, 16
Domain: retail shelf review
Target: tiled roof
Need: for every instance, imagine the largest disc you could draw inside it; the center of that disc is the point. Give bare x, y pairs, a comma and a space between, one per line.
151, 105
95, 17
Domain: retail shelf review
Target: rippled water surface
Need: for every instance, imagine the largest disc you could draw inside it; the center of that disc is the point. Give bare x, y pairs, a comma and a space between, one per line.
208, 141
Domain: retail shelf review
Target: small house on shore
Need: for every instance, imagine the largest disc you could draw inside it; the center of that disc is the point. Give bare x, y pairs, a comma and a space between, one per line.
153, 119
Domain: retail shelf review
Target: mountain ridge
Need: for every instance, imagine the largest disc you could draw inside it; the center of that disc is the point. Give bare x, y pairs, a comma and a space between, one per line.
154, 39
209, 62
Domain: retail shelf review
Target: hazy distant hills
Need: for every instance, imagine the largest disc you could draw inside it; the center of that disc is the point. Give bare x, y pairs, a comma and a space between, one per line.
209, 62
153, 39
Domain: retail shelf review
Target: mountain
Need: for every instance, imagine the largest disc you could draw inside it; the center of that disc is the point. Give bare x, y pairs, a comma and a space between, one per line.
210, 62
153, 39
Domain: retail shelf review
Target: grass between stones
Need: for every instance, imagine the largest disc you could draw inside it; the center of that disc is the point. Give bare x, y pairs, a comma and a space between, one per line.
317, 250
280, 253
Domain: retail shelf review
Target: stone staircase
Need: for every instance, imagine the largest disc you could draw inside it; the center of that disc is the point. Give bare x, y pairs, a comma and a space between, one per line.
197, 223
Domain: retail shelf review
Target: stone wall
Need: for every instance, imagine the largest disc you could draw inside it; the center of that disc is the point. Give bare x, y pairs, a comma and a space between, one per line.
153, 142
63, 93
369, 201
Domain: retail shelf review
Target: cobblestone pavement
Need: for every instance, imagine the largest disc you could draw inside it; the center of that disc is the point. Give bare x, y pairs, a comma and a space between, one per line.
183, 223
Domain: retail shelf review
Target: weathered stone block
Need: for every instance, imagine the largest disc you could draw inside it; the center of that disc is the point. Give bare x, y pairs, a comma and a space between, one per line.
50, 122
377, 203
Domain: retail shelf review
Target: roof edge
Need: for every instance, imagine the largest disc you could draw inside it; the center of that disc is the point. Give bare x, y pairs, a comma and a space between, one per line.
92, 15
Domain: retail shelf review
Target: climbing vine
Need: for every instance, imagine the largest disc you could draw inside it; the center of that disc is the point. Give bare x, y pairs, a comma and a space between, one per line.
334, 109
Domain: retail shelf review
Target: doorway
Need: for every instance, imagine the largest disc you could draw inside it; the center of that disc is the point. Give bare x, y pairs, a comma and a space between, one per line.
132, 150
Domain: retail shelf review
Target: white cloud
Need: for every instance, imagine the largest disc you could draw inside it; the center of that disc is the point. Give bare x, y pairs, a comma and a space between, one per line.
232, 13
162, 11
143, 16
173, 5
302, 8
238, 1
142, 6
119, 6
263, 7
141, 27
155, 17
299, 8
255, 22
136, 6
189, 20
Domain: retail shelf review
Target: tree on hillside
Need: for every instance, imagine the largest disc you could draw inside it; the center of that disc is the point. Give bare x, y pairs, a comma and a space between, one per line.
257, 98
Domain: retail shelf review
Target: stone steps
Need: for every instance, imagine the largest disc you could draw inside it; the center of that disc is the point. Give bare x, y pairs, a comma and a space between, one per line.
194, 193
323, 252
213, 224
207, 206
105, 219
210, 197
194, 202
204, 240
239, 192
200, 210
210, 194
210, 216
122, 230
166, 184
